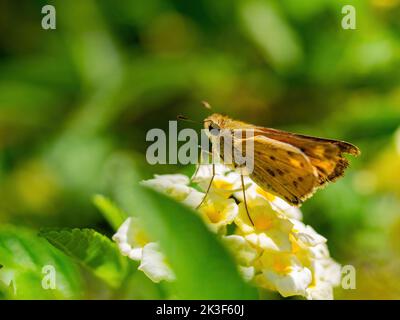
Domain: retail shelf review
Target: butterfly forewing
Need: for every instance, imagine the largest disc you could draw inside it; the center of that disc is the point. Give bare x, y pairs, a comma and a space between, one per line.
282, 169
325, 155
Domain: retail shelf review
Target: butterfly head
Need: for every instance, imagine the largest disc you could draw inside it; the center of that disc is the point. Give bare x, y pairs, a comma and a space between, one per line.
215, 123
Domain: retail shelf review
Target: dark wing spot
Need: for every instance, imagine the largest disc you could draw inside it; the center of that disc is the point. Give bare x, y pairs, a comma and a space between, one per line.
300, 179
321, 170
280, 172
272, 158
290, 153
295, 184
328, 153
296, 200
271, 172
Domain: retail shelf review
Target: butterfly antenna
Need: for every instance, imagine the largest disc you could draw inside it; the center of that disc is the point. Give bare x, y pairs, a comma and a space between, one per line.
184, 118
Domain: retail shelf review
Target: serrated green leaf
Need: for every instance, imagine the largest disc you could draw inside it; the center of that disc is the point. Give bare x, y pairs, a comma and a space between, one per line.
93, 250
114, 216
23, 256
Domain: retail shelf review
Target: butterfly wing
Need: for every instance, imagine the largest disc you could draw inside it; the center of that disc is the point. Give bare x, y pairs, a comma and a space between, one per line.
282, 169
325, 155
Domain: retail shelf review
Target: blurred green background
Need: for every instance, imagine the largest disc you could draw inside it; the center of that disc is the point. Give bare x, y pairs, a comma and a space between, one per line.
76, 102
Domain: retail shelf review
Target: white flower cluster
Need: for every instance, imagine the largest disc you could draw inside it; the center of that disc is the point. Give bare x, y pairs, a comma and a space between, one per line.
274, 251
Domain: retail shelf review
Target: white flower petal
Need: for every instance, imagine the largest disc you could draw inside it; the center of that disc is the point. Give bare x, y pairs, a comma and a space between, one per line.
173, 178
319, 251
130, 239
136, 254
327, 270
275, 240
247, 273
176, 186
244, 253
193, 199
286, 209
205, 172
173, 185
153, 264
293, 283
320, 291
306, 235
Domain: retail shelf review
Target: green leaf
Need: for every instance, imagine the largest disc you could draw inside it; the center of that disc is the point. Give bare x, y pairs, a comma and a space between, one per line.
23, 256
203, 268
93, 250
114, 216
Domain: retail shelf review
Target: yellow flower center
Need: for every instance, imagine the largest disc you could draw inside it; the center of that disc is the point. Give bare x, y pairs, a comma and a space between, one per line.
262, 222
222, 184
295, 247
212, 213
141, 238
266, 195
281, 266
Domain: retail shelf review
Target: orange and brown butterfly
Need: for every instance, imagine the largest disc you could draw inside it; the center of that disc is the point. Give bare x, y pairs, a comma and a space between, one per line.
288, 165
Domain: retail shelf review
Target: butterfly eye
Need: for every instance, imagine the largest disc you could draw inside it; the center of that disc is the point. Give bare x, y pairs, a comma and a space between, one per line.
214, 129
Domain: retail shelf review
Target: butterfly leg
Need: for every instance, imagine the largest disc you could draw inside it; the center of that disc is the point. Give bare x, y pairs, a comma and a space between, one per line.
245, 201
209, 186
